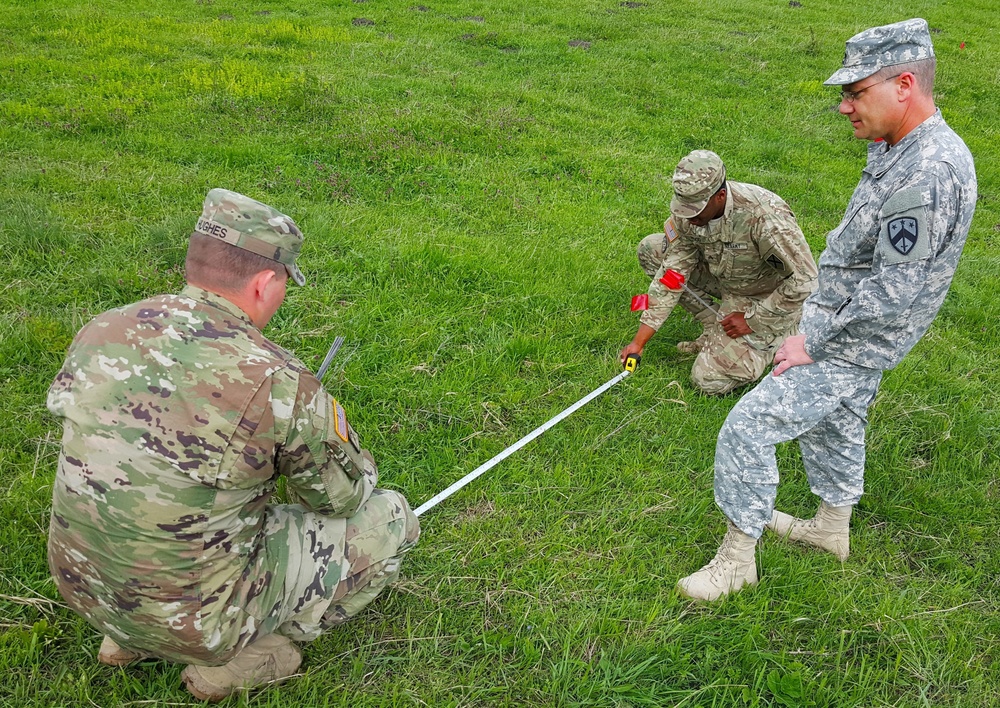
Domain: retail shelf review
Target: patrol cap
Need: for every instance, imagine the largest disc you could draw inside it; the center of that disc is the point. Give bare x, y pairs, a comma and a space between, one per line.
698, 176
246, 223
878, 47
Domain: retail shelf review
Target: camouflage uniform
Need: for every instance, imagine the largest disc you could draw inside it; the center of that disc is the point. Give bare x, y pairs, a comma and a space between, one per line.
754, 259
882, 279
179, 417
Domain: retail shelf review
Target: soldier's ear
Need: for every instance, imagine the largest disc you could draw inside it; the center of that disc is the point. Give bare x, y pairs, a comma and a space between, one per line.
259, 282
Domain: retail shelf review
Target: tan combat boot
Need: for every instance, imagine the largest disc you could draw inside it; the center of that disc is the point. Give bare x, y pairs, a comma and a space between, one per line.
733, 567
265, 660
828, 530
113, 654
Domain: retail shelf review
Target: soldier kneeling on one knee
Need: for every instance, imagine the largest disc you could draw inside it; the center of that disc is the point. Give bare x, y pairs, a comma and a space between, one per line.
747, 267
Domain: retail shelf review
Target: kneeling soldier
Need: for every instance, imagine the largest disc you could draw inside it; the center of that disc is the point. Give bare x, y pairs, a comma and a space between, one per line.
735, 243
179, 417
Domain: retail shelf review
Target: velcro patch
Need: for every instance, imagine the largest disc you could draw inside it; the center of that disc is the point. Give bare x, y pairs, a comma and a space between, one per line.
735, 246
775, 262
670, 231
904, 236
340, 421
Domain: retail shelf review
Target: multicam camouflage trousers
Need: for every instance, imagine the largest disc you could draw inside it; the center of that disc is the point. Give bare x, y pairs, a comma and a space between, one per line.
825, 406
366, 559
723, 363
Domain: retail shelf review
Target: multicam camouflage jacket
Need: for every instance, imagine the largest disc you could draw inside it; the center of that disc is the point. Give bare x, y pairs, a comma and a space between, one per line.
179, 416
757, 253
888, 266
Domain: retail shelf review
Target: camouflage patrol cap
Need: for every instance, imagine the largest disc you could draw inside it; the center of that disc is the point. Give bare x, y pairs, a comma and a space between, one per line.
698, 176
246, 223
878, 47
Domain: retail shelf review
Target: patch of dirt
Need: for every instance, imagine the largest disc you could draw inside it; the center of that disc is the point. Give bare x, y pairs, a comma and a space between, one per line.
480, 510
630, 4
474, 18
263, 12
794, 3
936, 30
362, 22
509, 50
225, 17
582, 43
420, 8
467, 37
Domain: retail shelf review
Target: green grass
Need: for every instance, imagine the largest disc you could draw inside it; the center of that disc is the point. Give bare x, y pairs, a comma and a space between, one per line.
472, 188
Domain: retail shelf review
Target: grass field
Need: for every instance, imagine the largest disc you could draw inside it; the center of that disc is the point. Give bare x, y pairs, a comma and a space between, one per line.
472, 179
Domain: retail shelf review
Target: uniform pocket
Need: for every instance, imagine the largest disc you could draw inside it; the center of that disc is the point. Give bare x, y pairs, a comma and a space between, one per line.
740, 264
760, 475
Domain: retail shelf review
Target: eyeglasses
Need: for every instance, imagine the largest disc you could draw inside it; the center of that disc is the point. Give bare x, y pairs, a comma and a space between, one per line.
852, 96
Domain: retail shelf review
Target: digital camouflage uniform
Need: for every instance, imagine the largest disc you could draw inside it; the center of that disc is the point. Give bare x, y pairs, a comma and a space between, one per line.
754, 259
882, 278
179, 417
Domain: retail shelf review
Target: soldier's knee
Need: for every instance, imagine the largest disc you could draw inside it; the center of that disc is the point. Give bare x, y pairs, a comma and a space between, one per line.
714, 382
401, 516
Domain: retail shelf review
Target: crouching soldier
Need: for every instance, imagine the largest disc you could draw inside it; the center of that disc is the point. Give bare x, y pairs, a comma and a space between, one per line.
179, 417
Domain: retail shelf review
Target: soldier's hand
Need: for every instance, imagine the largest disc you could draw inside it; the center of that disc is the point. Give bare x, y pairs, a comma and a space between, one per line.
630, 348
735, 325
791, 353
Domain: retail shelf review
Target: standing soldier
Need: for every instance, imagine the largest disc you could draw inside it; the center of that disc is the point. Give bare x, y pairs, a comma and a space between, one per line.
732, 241
883, 276
179, 417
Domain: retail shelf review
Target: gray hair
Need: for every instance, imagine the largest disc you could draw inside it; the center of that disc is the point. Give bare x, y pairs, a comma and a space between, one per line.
923, 72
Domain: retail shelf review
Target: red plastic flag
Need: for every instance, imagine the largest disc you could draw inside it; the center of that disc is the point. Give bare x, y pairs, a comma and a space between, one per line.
673, 280
640, 302
962, 45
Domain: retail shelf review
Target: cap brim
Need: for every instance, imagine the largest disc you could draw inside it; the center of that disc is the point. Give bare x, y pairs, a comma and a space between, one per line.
295, 274
849, 75
687, 210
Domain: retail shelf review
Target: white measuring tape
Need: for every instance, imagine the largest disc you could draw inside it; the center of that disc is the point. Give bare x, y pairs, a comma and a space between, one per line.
486, 466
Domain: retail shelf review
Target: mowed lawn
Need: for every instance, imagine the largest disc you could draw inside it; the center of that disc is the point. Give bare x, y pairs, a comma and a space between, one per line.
472, 178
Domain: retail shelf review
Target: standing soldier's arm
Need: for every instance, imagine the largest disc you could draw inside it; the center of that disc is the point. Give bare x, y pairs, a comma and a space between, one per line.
783, 247
326, 468
900, 285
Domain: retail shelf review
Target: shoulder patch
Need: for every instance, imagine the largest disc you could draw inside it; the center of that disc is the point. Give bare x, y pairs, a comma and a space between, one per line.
670, 231
904, 235
776, 263
340, 421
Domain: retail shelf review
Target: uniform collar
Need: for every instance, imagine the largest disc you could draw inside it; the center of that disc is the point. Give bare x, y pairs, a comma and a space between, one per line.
881, 156
214, 300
